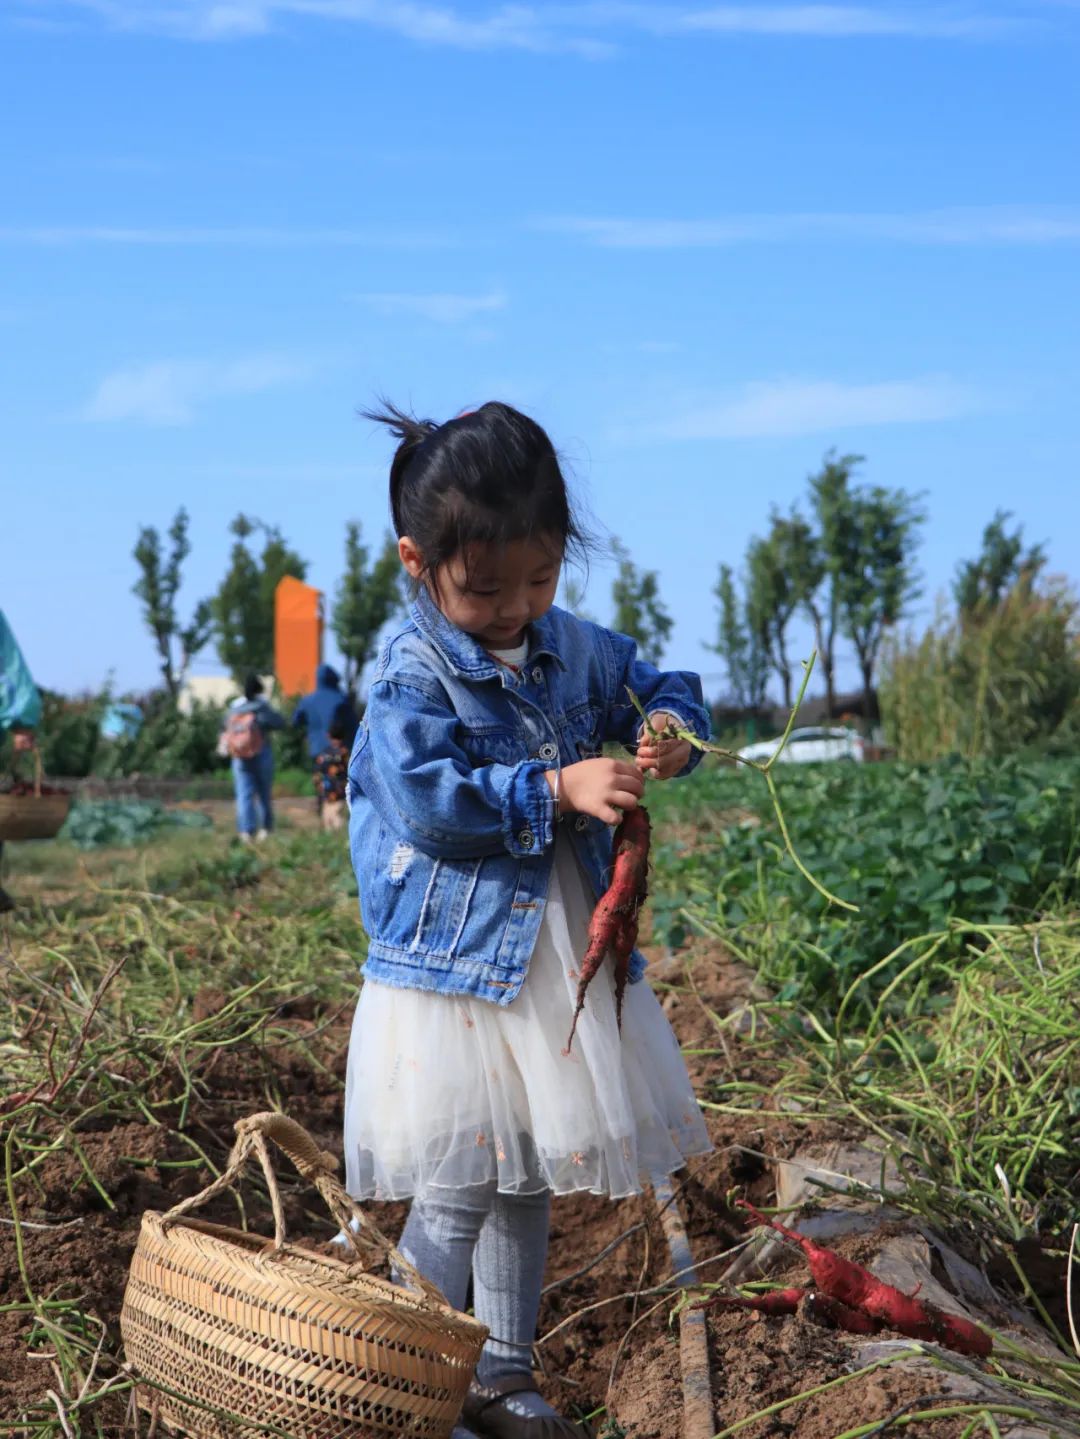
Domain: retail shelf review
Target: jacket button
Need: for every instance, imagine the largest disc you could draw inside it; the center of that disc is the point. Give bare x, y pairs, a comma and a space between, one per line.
537, 674
547, 751
582, 822
525, 839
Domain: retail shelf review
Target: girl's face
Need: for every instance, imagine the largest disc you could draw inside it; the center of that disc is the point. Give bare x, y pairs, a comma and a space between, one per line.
493, 591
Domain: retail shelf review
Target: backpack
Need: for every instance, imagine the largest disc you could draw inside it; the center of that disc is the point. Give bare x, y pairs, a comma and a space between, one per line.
243, 737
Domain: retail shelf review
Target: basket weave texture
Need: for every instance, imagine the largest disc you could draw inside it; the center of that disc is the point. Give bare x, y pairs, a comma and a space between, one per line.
235, 1335
33, 816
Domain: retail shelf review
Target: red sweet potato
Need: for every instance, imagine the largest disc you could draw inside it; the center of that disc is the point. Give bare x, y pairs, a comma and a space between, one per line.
856, 1287
840, 1316
779, 1302
614, 924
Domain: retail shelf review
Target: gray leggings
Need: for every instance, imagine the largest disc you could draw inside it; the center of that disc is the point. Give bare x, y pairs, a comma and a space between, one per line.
502, 1240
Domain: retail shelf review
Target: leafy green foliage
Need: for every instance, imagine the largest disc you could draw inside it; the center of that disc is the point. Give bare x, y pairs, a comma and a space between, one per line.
169, 744
157, 587
913, 847
868, 538
783, 570
983, 583
990, 681
367, 597
742, 643
68, 736
96, 823
243, 608
639, 611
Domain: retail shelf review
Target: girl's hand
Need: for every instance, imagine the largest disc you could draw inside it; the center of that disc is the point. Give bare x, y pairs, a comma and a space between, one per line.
24, 741
600, 787
662, 757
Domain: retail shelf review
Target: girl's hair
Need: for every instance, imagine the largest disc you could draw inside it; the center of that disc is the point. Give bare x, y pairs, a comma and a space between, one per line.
489, 476
253, 687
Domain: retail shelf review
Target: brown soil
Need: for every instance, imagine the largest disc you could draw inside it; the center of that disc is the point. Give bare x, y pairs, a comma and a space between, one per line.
756, 1362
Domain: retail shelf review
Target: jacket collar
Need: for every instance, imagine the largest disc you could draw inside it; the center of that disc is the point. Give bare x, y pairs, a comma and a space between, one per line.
462, 653
542, 640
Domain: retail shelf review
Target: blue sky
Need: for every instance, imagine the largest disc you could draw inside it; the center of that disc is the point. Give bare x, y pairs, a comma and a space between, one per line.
702, 244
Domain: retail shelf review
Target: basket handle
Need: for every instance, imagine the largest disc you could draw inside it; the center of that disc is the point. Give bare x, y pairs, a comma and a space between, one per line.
319, 1168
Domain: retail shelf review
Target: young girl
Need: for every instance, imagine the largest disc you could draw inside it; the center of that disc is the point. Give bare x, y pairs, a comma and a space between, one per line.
480, 834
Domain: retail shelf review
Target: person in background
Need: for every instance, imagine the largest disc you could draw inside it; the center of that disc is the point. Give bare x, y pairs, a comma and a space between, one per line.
331, 776
327, 704
20, 711
244, 741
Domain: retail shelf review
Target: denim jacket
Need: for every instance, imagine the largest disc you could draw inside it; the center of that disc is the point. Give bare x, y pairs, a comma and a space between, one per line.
453, 827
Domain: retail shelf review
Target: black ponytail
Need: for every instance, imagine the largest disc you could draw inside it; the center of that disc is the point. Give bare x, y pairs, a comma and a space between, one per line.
411, 434
488, 476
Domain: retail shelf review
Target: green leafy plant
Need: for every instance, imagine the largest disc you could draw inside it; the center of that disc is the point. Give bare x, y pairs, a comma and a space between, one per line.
916, 847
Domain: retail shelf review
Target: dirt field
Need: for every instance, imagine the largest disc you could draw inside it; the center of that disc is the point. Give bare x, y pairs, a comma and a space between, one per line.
606, 1346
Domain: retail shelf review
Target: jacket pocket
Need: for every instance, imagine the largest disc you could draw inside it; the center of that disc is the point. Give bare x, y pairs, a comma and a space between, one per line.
581, 731
492, 745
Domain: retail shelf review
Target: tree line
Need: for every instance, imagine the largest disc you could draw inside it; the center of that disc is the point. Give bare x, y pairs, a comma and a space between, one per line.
846, 562
843, 559
239, 617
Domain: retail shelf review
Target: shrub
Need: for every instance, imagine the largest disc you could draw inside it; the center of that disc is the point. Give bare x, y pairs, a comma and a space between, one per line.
988, 682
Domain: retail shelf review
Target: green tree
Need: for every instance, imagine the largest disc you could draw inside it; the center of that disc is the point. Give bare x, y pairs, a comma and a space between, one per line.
243, 608
783, 571
742, 643
157, 587
367, 596
639, 611
867, 538
828, 499
1002, 566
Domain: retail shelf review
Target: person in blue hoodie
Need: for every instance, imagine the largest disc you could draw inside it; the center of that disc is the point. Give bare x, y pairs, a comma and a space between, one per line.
327, 706
20, 709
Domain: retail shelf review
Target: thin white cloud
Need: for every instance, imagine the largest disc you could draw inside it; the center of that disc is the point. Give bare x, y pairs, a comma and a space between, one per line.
976, 226
247, 236
833, 22
442, 309
506, 27
586, 29
773, 408
169, 392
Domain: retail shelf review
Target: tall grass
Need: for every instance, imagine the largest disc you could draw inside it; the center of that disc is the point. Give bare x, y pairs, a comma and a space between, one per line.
987, 683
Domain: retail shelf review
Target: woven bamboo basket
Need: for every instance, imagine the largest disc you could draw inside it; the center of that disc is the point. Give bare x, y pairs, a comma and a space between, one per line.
33, 816
234, 1335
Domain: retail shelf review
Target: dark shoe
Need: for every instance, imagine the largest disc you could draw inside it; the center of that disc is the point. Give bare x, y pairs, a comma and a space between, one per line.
485, 1411
6, 902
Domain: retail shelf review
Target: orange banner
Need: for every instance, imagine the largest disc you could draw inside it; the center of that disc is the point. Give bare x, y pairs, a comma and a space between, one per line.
298, 635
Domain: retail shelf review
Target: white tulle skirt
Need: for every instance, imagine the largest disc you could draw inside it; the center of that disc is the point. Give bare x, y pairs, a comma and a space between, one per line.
449, 1091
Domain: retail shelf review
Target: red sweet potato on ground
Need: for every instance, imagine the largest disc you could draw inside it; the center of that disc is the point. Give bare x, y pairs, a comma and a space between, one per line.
856, 1287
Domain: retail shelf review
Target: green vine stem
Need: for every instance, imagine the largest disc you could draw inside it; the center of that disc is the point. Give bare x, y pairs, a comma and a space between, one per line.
706, 747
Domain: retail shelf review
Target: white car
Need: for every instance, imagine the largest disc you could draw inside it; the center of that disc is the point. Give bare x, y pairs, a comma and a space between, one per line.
806, 745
